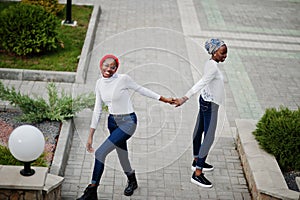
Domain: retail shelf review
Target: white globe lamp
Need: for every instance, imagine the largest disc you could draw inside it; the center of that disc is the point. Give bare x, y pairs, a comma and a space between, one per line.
26, 143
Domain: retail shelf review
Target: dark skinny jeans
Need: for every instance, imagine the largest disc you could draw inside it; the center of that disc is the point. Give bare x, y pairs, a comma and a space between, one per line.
121, 128
207, 123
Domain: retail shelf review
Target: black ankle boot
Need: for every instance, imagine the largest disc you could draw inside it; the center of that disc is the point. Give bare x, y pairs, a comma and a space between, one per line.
132, 185
90, 193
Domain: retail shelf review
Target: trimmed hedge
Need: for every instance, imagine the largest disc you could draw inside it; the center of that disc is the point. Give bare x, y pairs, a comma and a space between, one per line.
51, 6
28, 29
278, 132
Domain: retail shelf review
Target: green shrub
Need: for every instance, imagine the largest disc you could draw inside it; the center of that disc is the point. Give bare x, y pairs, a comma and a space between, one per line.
278, 132
58, 108
28, 30
6, 158
51, 6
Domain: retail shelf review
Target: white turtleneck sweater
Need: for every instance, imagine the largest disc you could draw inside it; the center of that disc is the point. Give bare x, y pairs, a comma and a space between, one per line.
211, 84
114, 92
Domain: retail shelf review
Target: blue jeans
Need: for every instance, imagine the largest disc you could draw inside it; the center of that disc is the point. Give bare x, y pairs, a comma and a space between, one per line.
121, 128
207, 123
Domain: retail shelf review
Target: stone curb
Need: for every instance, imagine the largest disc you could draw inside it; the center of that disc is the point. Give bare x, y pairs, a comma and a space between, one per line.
63, 148
265, 180
85, 55
55, 76
37, 75
298, 182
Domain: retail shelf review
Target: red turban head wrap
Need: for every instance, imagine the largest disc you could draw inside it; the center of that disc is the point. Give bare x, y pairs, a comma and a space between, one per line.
109, 56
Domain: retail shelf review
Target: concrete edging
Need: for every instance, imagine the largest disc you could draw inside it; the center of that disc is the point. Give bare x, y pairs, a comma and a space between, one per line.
63, 148
85, 55
56, 76
37, 75
264, 177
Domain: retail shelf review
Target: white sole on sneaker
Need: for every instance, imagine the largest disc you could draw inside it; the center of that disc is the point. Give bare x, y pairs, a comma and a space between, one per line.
200, 184
204, 169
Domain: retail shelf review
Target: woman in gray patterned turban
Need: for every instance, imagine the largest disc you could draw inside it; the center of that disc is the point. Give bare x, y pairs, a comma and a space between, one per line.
212, 45
211, 88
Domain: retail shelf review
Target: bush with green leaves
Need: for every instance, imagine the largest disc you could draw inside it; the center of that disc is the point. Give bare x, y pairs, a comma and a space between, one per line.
51, 6
6, 158
278, 132
57, 108
28, 30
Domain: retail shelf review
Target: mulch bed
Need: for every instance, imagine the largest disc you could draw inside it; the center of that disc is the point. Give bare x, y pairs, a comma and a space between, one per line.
290, 179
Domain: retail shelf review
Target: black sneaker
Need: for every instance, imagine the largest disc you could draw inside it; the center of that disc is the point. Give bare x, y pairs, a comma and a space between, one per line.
201, 180
206, 168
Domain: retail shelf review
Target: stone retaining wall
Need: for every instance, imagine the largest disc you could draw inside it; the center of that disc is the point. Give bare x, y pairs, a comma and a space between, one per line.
261, 169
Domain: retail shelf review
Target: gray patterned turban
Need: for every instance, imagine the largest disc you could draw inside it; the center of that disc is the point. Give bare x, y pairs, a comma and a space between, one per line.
212, 45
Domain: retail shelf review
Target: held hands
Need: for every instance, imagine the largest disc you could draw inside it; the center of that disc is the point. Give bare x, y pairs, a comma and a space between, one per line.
167, 100
179, 101
174, 101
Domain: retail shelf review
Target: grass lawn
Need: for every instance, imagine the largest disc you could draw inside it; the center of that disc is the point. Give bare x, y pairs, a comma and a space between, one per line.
63, 59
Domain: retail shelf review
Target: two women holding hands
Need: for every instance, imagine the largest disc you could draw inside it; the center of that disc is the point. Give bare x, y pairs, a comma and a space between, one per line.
112, 89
